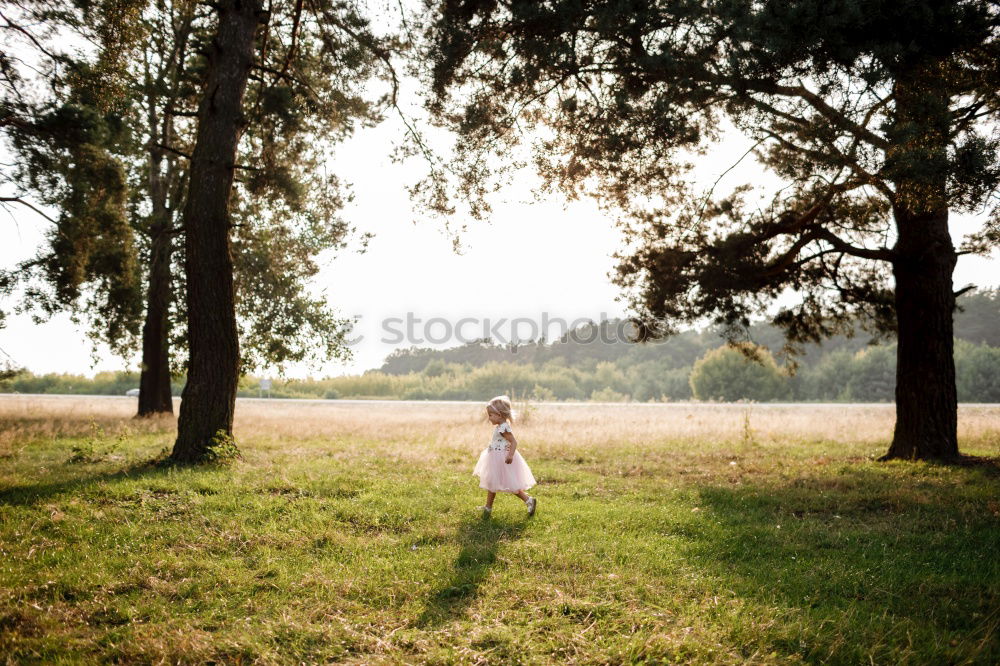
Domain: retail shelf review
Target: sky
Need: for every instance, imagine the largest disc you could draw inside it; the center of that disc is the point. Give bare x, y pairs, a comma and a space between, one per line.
533, 259
539, 260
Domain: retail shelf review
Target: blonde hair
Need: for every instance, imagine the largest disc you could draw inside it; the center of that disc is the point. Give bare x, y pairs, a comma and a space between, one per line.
501, 405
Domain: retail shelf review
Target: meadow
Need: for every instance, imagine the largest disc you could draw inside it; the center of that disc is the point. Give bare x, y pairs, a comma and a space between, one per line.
348, 533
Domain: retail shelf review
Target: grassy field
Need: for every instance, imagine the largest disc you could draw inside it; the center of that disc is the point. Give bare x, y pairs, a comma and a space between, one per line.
348, 533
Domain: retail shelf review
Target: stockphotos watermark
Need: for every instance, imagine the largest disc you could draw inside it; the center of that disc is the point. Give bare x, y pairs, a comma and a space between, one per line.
510, 332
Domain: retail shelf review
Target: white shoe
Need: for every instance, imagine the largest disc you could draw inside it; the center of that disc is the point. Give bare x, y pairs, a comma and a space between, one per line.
532, 503
486, 511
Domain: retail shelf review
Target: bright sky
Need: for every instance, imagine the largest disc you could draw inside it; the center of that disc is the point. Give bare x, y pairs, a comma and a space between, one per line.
532, 260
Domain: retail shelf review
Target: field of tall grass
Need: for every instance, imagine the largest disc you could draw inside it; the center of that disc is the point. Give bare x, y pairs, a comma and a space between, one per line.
348, 533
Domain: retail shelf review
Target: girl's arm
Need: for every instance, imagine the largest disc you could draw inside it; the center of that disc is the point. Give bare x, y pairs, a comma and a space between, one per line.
509, 436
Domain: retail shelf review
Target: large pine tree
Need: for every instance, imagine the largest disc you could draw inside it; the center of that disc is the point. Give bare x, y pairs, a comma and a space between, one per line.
284, 204
313, 55
878, 116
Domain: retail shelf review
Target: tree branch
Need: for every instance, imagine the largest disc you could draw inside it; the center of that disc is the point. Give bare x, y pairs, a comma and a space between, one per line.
818, 103
13, 26
838, 243
173, 150
964, 290
280, 74
365, 41
295, 36
28, 204
788, 257
848, 161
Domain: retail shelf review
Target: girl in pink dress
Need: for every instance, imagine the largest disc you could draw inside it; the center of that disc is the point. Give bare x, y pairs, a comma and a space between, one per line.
501, 468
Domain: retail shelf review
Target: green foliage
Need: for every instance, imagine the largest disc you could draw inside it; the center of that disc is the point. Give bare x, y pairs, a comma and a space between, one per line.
587, 344
868, 113
287, 210
98, 446
978, 317
280, 321
89, 265
64, 142
844, 375
542, 394
102, 383
222, 450
977, 368
728, 374
827, 379
435, 368
842, 369
840, 375
608, 395
873, 375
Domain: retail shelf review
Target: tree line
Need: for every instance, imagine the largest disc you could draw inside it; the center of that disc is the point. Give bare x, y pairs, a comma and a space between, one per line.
588, 363
721, 374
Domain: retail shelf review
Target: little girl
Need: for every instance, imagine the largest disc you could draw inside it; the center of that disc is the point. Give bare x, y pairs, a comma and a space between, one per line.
501, 468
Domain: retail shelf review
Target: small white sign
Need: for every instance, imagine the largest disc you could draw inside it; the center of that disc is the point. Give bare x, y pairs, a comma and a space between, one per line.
265, 385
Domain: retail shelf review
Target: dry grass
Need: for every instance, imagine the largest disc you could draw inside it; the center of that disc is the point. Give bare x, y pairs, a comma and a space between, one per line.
458, 426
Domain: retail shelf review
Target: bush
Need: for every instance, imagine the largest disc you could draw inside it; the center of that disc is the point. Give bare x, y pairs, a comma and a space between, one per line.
873, 375
435, 368
675, 384
608, 395
828, 379
727, 374
977, 369
607, 376
542, 394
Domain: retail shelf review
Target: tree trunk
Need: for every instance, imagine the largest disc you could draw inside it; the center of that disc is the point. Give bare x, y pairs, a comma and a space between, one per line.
209, 397
154, 382
926, 400
924, 259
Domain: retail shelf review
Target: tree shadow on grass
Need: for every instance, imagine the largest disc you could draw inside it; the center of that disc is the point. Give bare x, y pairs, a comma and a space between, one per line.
988, 465
36, 493
480, 539
888, 563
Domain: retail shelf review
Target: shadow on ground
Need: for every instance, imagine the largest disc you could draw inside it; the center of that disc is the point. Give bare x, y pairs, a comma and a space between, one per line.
885, 558
35, 493
480, 540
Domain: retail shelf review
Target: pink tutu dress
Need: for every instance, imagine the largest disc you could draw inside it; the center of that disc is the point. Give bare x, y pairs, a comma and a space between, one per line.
494, 474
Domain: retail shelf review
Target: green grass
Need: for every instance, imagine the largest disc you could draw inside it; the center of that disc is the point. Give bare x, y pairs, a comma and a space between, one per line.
358, 549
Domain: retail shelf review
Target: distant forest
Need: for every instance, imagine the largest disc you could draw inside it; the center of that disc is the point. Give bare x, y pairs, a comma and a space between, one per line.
589, 363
